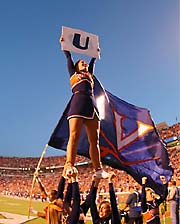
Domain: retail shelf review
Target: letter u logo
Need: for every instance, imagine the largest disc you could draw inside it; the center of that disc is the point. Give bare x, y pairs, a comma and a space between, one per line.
76, 42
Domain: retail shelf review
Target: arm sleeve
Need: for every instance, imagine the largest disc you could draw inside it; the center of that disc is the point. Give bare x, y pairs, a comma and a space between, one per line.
87, 203
74, 215
143, 199
91, 65
68, 196
172, 194
41, 187
93, 207
129, 199
115, 212
164, 195
61, 188
70, 63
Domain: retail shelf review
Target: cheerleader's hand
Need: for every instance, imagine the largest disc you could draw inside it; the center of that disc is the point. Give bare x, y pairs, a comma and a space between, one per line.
61, 39
144, 180
163, 179
111, 176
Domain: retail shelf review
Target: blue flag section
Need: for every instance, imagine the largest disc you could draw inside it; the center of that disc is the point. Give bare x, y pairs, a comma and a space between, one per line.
128, 139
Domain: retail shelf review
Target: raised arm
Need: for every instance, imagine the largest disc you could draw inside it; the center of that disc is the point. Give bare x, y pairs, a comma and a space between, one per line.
115, 213
87, 203
165, 190
70, 63
93, 207
75, 211
91, 65
68, 195
41, 186
61, 185
143, 195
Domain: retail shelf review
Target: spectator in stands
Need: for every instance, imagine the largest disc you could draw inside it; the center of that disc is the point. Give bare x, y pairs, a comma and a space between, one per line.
173, 198
133, 202
150, 203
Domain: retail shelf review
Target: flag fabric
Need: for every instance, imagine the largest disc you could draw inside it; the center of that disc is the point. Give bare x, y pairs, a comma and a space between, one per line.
129, 140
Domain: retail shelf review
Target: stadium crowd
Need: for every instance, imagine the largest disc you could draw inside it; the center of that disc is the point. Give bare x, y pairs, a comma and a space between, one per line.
16, 173
18, 182
166, 132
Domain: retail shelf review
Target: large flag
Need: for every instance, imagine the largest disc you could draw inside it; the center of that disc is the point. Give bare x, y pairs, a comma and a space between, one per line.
128, 139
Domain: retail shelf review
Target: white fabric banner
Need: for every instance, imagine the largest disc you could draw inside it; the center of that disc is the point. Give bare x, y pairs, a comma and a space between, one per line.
80, 42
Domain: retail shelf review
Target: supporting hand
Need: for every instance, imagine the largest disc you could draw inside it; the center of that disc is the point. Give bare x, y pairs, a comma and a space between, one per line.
144, 180
163, 179
111, 176
96, 180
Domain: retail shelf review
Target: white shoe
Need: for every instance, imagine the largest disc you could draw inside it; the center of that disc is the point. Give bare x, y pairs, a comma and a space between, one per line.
101, 174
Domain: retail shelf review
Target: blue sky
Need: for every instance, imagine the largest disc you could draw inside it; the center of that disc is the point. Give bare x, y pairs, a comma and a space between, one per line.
139, 43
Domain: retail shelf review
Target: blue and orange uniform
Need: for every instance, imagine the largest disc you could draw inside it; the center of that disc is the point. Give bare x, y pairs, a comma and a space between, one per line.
114, 218
71, 201
151, 208
82, 103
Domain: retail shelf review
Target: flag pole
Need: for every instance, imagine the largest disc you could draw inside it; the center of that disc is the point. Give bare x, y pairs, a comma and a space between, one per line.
34, 177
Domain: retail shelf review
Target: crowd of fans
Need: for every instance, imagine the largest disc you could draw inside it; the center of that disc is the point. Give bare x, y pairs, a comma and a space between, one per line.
167, 132
18, 182
16, 173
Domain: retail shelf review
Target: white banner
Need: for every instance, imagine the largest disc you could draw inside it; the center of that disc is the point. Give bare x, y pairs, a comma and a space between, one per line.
80, 42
